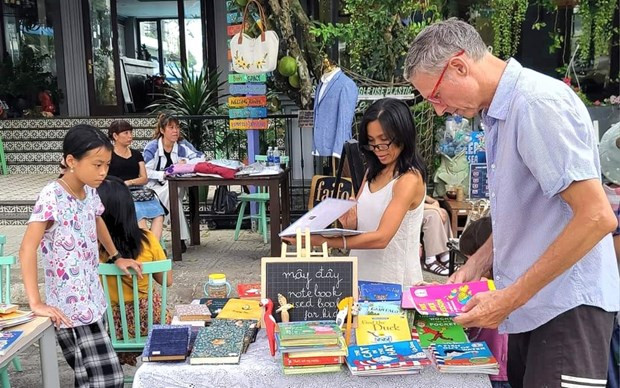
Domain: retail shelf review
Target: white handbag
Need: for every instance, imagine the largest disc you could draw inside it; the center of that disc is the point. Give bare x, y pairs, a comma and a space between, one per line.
254, 55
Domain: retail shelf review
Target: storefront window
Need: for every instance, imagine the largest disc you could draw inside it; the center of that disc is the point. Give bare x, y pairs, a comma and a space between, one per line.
171, 49
193, 35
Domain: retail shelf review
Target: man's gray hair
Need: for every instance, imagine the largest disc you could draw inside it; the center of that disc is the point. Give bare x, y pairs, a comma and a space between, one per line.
433, 47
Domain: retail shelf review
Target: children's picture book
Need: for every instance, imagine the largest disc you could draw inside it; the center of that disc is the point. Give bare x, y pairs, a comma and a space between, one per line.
7, 308
384, 356
193, 312
221, 343
298, 370
241, 309
474, 357
8, 339
249, 290
309, 329
167, 343
215, 305
438, 330
378, 291
380, 308
311, 361
381, 329
443, 299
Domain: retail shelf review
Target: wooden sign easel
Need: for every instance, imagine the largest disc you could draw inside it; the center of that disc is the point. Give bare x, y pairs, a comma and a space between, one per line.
301, 252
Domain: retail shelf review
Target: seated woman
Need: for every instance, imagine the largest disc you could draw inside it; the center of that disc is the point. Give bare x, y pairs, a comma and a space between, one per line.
131, 242
437, 231
168, 148
128, 165
391, 200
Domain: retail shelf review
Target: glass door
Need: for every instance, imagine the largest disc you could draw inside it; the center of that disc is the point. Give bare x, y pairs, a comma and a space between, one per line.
102, 58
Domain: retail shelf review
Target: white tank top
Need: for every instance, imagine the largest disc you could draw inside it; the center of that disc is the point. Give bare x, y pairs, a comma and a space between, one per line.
399, 262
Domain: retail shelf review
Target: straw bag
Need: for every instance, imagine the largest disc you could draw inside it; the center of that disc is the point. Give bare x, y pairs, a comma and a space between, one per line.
254, 55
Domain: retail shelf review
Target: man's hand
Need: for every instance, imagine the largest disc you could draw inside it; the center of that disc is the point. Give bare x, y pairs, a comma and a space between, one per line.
125, 264
57, 316
468, 272
488, 309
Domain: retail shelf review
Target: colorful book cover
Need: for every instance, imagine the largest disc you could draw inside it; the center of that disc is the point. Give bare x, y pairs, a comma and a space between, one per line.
219, 344
168, 344
380, 308
309, 330
248, 290
380, 329
215, 305
7, 339
438, 330
249, 325
470, 354
193, 312
383, 356
241, 309
311, 361
146, 353
445, 299
379, 291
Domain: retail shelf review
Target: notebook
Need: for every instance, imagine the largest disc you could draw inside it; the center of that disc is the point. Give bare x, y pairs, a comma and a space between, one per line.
167, 344
320, 217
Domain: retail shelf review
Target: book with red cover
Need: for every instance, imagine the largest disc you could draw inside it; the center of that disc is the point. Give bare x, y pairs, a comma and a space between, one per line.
249, 291
310, 361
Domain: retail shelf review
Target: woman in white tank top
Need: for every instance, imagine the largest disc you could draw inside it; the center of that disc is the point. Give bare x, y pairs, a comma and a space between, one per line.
391, 201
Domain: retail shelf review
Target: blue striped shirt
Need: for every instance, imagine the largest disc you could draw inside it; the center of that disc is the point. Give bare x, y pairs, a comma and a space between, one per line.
539, 140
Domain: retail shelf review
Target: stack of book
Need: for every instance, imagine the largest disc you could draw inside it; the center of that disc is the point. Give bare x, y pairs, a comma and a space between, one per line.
311, 347
468, 357
14, 317
394, 358
192, 314
432, 330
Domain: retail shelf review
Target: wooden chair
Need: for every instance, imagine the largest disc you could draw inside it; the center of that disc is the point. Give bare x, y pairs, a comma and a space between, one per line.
136, 343
3, 167
262, 198
5, 297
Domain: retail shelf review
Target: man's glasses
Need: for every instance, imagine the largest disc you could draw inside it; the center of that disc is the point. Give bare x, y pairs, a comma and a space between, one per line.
432, 97
377, 147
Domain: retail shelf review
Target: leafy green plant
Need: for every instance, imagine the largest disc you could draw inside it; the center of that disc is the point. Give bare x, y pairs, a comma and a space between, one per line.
196, 94
506, 19
596, 27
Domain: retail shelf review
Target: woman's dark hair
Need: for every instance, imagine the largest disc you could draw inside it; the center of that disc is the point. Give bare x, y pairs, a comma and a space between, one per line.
476, 234
81, 139
120, 217
162, 122
118, 126
397, 123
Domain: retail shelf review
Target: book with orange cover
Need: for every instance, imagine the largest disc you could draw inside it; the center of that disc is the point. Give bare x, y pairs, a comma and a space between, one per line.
249, 291
309, 361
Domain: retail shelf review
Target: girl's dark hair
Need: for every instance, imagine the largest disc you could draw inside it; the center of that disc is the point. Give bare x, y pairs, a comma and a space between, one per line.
81, 139
476, 234
397, 123
162, 122
118, 126
120, 217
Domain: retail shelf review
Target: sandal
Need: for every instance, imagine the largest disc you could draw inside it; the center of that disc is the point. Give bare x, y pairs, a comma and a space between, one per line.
435, 268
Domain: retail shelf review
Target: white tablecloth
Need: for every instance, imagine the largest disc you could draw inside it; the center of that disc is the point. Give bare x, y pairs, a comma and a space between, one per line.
258, 369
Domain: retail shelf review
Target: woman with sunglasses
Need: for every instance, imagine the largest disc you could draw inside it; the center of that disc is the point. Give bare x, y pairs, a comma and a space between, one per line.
391, 199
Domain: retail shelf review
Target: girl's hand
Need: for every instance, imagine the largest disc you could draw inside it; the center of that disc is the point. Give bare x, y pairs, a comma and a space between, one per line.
125, 264
58, 317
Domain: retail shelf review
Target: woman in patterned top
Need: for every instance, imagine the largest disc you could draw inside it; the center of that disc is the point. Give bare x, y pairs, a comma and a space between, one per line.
66, 223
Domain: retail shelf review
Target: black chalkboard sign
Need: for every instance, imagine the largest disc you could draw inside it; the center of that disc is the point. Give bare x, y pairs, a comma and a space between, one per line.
314, 286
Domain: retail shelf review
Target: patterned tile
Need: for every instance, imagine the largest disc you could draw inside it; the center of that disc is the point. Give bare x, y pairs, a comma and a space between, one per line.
23, 187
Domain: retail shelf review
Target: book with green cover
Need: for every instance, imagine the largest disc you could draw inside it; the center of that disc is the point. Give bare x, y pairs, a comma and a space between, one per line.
221, 343
438, 330
378, 329
309, 330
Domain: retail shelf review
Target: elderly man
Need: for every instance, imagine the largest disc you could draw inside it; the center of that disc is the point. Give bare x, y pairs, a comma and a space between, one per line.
551, 252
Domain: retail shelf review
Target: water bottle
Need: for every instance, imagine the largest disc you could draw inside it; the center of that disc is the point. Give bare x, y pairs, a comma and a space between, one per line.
270, 156
276, 157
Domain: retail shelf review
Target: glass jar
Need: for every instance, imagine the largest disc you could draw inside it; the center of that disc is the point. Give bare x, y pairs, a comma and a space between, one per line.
217, 286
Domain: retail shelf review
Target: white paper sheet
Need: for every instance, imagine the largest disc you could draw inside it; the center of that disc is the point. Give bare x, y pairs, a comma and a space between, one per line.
320, 216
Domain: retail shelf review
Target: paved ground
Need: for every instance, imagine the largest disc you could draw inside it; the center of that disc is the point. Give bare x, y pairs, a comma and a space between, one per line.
239, 260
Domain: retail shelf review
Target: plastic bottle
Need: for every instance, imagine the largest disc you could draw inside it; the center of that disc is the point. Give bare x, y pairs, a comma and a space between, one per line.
276, 157
270, 156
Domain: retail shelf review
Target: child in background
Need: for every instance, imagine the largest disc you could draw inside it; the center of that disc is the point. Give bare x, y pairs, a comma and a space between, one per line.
66, 224
136, 243
476, 234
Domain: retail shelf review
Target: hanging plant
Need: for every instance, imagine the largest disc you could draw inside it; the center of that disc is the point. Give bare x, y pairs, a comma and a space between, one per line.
507, 18
596, 27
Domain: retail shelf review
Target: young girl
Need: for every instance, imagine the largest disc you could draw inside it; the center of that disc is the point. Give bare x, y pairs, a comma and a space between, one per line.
391, 202
132, 241
66, 224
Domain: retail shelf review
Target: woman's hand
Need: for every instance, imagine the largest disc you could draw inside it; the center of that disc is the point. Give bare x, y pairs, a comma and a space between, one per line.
125, 264
58, 317
349, 219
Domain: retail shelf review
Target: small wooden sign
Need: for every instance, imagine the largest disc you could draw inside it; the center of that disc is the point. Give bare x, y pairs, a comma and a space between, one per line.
249, 124
314, 286
242, 102
255, 89
232, 30
237, 78
234, 17
244, 113
323, 187
478, 181
305, 118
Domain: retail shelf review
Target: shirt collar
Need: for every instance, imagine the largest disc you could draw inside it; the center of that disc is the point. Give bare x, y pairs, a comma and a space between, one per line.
503, 94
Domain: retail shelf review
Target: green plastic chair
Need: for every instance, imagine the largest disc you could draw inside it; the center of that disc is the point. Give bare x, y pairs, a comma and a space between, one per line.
262, 198
3, 166
138, 341
5, 297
